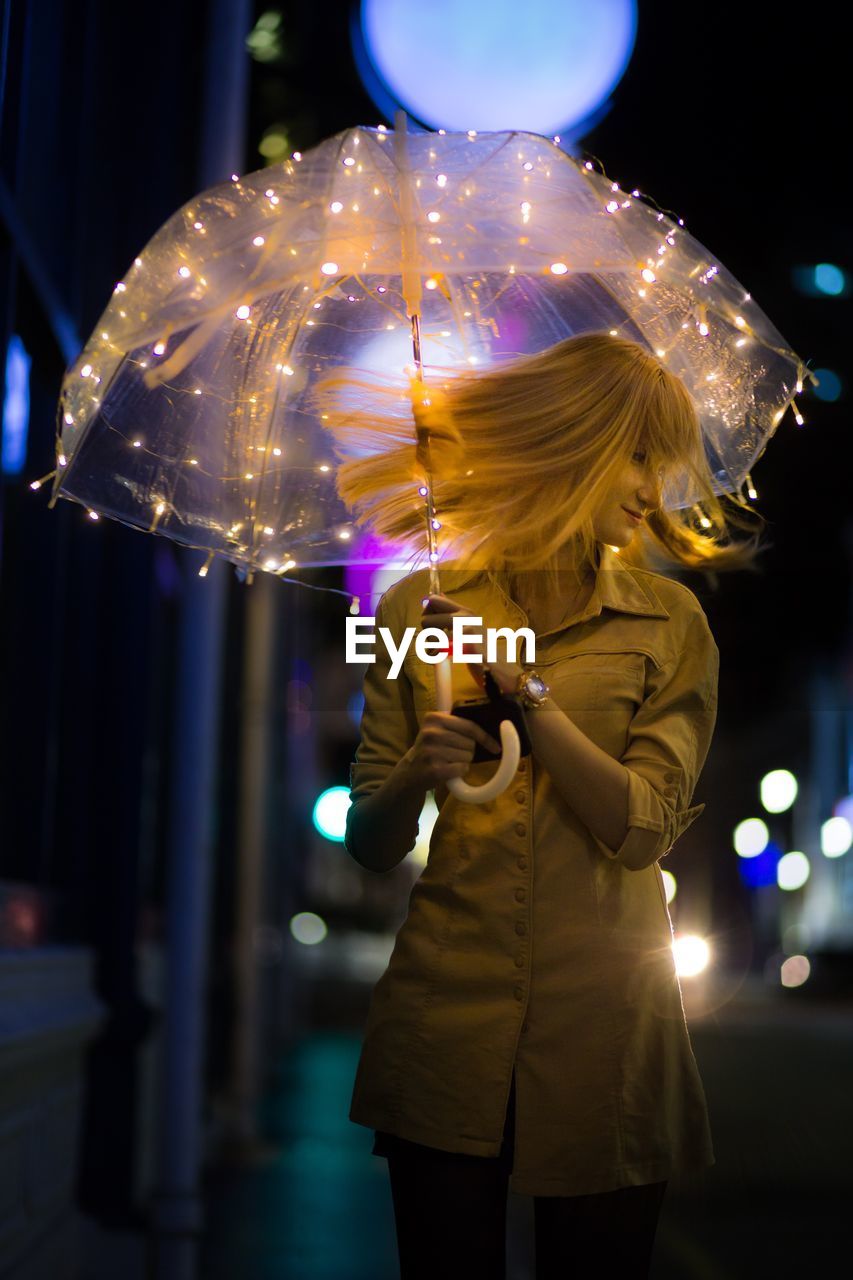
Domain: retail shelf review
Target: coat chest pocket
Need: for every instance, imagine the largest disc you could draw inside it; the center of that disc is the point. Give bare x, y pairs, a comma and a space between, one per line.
601, 690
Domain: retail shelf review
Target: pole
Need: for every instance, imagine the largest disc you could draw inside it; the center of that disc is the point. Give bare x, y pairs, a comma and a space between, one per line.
177, 1203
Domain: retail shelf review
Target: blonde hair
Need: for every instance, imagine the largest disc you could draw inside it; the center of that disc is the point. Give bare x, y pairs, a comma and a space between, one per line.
520, 456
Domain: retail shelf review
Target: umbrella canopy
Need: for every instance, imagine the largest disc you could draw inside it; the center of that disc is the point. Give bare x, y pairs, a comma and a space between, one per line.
191, 412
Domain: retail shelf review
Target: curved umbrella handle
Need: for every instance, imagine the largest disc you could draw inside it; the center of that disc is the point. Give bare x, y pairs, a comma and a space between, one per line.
511, 748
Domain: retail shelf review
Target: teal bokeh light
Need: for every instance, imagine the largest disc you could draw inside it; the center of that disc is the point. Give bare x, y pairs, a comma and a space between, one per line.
330, 813
829, 386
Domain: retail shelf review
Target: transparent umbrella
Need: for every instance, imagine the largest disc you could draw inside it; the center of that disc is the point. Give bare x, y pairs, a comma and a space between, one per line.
191, 411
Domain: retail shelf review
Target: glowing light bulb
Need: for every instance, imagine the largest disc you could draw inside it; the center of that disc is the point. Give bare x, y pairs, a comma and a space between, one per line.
648, 275
93, 515
159, 348
329, 268
348, 161
184, 271
276, 452
137, 444
703, 329
69, 420
433, 216
441, 179
335, 206
243, 313
120, 287
558, 268
612, 206
85, 371
258, 241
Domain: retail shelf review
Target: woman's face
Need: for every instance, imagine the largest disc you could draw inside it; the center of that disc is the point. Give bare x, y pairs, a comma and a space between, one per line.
636, 488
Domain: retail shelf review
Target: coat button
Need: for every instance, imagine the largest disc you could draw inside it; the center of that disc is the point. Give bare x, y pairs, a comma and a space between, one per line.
521, 796
518, 992
519, 961
520, 895
520, 928
522, 864
520, 829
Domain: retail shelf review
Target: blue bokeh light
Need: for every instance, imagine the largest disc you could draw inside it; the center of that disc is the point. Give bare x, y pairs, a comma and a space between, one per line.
761, 870
16, 407
544, 67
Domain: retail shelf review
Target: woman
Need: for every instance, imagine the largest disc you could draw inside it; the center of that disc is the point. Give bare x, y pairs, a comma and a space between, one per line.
528, 1031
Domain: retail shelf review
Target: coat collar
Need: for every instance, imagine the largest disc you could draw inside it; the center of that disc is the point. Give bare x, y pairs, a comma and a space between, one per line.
627, 590
618, 586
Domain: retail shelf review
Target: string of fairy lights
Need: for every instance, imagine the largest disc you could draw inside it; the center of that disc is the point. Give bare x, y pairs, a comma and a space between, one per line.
273, 270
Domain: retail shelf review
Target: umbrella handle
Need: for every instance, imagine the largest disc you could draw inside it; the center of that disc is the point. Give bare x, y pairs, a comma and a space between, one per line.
510, 756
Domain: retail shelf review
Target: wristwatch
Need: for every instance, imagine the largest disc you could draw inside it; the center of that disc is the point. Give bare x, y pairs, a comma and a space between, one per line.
532, 690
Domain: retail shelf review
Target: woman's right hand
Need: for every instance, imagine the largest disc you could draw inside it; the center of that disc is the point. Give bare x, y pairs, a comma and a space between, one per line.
444, 747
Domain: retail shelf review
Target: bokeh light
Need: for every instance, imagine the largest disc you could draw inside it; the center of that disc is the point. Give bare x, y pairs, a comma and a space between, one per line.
692, 955
829, 279
793, 870
308, 928
426, 822
836, 837
794, 971
669, 885
829, 385
330, 813
750, 838
460, 64
778, 790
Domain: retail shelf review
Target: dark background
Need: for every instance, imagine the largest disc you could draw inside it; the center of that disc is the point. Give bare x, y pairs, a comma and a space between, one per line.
732, 116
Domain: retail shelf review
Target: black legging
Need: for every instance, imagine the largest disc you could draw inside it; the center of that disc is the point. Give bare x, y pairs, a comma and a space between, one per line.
450, 1212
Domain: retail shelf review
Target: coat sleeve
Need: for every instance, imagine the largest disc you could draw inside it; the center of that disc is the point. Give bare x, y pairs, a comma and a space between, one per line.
389, 723
668, 742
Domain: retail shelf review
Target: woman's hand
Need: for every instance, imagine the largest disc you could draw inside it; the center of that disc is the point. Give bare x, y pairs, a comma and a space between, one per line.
439, 613
444, 748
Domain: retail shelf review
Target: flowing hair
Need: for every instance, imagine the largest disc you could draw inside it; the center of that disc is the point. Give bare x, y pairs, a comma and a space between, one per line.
520, 456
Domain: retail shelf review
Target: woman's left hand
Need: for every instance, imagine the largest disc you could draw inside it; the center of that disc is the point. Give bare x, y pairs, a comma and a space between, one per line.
439, 613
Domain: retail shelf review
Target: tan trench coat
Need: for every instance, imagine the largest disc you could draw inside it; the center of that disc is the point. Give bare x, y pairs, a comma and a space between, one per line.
529, 943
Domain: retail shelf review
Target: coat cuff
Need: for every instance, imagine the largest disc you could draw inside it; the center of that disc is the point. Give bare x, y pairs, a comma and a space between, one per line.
653, 826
